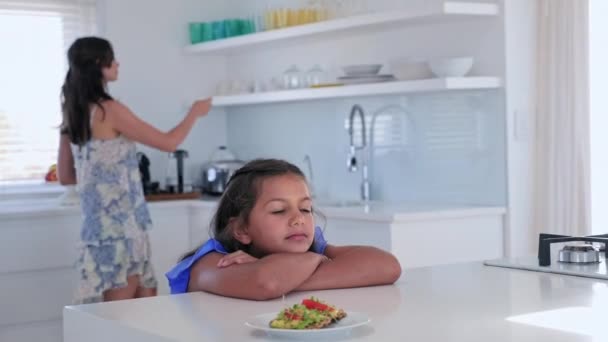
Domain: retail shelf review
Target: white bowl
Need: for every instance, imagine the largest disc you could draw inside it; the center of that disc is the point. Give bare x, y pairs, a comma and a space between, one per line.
451, 67
411, 69
362, 70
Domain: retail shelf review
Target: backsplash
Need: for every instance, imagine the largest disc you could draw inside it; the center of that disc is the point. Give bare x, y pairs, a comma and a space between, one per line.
438, 148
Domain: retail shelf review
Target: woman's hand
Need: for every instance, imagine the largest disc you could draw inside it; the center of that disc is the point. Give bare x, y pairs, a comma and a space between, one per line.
200, 108
238, 257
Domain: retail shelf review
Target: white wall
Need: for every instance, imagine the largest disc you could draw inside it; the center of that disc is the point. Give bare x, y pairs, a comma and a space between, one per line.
599, 120
520, 33
156, 79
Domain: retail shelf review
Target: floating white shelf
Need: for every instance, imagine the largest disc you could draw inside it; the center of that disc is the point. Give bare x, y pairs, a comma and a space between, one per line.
386, 88
431, 13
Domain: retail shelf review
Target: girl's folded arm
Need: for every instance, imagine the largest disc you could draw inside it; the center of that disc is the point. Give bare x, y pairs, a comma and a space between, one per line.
353, 266
267, 278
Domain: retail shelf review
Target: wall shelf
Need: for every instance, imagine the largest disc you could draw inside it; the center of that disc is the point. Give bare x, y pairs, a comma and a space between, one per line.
387, 88
431, 13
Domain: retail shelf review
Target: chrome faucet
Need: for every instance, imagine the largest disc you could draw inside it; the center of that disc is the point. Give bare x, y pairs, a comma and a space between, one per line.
311, 178
352, 163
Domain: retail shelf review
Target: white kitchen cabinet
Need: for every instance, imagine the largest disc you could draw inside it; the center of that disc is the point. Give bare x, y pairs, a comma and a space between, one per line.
345, 231
200, 222
420, 238
38, 252
169, 239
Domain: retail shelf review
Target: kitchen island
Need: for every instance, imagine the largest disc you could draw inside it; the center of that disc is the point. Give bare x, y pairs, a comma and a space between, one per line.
460, 302
39, 237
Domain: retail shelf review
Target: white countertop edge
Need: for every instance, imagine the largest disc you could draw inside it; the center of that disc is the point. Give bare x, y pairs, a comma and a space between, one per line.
379, 212
57, 209
416, 215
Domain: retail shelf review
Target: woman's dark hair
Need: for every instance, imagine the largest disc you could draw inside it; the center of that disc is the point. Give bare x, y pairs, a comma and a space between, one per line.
240, 196
84, 85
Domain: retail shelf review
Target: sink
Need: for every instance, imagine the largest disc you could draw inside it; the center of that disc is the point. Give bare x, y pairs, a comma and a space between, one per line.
341, 203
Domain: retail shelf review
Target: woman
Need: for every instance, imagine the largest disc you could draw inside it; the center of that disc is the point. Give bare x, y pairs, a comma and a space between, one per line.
97, 152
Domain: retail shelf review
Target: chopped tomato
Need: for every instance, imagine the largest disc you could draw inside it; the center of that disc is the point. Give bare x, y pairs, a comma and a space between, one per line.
311, 304
292, 316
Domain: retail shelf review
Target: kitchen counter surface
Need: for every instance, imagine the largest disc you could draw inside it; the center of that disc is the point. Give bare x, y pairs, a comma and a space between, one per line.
52, 206
374, 211
459, 302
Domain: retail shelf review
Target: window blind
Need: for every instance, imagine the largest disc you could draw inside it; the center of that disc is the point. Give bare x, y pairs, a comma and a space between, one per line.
35, 35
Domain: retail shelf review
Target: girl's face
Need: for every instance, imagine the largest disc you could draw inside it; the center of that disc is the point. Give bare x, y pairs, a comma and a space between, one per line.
110, 73
281, 220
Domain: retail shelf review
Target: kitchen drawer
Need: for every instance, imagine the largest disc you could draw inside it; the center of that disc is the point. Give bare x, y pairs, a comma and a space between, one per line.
35, 296
446, 241
38, 243
356, 232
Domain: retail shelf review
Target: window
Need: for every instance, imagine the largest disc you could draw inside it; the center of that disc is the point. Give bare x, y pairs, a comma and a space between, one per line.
598, 74
35, 35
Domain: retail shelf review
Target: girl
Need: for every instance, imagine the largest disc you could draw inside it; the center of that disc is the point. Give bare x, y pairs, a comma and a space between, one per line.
97, 151
265, 238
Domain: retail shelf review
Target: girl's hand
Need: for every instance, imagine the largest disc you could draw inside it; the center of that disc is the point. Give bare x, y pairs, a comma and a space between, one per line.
238, 257
200, 108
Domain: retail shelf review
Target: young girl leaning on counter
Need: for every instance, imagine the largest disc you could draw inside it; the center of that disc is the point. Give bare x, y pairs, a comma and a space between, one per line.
265, 237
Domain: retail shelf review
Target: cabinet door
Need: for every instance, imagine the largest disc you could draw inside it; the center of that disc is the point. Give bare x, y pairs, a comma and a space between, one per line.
448, 240
339, 232
169, 239
200, 225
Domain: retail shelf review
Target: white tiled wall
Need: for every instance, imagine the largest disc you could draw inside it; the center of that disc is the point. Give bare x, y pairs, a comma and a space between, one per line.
454, 154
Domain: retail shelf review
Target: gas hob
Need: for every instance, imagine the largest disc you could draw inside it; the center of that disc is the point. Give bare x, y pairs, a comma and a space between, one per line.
576, 256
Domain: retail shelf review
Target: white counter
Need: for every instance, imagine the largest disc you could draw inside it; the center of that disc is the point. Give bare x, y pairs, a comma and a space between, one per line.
374, 212
461, 302
405, 212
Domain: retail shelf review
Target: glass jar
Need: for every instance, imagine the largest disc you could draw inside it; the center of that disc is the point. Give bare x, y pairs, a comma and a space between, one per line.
315, 76
292, 78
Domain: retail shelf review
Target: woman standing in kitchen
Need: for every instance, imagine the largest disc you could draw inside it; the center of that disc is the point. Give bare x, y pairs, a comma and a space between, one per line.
97, 152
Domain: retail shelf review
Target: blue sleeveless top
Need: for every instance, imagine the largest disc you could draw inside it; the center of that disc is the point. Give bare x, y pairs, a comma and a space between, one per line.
179, 275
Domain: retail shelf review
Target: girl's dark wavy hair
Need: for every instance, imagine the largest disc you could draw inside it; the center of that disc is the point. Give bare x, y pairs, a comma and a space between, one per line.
240, 196
84, 85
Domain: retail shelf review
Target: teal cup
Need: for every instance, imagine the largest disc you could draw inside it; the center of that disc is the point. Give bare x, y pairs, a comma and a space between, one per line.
219, 31
206, 32
250, 26
232, 28
195, 33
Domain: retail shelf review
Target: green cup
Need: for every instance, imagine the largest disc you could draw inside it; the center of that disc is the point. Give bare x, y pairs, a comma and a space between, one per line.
206, 32
219, 32
232, 28
244, 26
195, 33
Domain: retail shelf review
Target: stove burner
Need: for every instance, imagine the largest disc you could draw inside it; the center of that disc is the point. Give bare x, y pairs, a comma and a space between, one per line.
579, 254
570, 253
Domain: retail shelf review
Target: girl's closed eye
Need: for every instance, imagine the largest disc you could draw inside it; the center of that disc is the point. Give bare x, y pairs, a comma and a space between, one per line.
278, 211
306, 210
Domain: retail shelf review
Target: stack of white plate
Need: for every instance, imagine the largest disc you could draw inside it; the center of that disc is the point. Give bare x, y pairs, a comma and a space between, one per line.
364, 73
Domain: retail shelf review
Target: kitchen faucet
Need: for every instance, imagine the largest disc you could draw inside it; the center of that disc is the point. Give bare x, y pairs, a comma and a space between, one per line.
352, 163
311, 178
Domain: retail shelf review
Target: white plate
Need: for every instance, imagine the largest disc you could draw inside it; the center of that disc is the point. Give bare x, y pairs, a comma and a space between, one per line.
362, 69
343, 327
367, 79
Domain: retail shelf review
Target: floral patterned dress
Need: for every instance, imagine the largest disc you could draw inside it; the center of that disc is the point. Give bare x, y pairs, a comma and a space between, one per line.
114, 240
